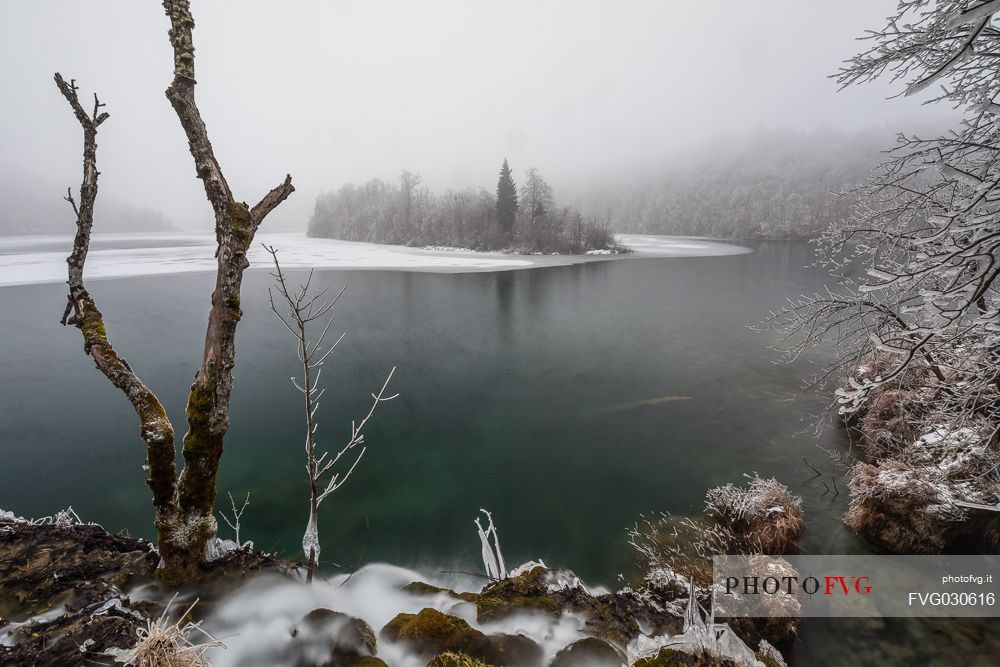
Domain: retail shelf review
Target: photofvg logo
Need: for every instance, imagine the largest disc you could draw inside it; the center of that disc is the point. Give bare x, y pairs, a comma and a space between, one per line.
854, 586
790, 585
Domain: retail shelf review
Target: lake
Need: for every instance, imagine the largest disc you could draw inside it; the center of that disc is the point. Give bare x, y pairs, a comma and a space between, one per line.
526, 392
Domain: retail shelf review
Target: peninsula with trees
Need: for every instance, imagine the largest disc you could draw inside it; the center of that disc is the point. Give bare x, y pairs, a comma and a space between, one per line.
523, 220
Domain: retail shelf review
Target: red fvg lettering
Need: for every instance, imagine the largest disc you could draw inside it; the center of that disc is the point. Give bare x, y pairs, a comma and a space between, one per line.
859, 585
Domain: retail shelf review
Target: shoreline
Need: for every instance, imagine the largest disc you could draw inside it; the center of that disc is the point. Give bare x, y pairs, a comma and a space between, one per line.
38, 260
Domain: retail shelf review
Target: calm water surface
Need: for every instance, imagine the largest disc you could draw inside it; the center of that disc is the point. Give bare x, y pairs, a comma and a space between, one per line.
520, 391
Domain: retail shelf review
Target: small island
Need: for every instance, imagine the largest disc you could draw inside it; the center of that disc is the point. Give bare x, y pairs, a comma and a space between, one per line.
523, 220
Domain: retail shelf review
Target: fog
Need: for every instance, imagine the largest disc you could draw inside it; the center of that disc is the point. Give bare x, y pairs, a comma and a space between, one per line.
335, 92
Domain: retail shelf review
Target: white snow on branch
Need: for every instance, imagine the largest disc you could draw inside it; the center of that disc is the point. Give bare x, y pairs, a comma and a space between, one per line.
492, 556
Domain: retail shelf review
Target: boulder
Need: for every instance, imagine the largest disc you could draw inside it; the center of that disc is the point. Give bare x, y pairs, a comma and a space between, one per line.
431, 633
669, 657
589, 652
527, 591
327, 638
421, 588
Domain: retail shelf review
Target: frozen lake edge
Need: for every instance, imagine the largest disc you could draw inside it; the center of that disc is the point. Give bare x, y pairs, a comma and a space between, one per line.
34, 260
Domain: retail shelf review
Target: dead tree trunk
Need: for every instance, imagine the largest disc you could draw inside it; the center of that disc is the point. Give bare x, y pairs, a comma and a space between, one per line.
81, 311
208, 401
184, 504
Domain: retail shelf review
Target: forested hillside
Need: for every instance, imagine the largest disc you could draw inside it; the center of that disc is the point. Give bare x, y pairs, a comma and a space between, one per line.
775, 185
35, 206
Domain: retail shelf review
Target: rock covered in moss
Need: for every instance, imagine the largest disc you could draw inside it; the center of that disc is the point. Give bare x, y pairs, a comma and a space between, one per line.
43, 566
543, 590
669, 657
327, 638
450, 659
589, 652
73, 638
431, 632
422, 588
527, 591
69, 572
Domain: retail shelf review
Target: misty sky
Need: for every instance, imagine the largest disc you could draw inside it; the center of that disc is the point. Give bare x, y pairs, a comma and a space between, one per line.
336, 91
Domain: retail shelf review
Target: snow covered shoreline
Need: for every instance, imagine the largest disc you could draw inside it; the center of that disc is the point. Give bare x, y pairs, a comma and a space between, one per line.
34, 260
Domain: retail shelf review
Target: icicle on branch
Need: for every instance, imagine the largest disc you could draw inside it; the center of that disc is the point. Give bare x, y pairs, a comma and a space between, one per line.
297, 311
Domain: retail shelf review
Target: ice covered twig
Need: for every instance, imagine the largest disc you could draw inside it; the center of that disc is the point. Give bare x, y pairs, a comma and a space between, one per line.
492, 556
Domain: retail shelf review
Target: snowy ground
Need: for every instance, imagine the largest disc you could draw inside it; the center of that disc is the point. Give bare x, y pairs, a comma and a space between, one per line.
27, 260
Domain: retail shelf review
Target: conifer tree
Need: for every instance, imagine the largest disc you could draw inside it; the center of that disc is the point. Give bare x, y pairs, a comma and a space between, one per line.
506, 202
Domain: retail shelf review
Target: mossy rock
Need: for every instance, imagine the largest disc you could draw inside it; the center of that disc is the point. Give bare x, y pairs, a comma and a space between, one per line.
432, 632
422, 588
450, 659
44, 566
342, 640
609, 617
669, 657
525, 592
780, 631
589, 652
514, 650
367, 661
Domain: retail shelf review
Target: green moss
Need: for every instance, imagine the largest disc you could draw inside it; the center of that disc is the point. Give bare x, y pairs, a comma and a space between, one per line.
242, 223
93, 328
668, 657
525, 591
450, 659
662, 659
431, 632
492, 607
390, 631
202, 450
199, 405
233, 300
368, 661
421, 588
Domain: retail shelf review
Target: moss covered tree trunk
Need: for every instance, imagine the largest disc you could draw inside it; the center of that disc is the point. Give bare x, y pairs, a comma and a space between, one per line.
81, 311
184, 504
208, 401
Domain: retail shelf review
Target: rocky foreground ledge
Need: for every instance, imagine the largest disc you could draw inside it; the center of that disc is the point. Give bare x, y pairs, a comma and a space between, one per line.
74, 594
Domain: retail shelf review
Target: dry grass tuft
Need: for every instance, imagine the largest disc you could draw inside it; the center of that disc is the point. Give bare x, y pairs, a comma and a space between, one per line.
682, 545
889, 423
163, 643
765, 517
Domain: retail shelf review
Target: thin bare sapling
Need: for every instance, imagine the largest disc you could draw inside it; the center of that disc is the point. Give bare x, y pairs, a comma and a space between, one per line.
297, 310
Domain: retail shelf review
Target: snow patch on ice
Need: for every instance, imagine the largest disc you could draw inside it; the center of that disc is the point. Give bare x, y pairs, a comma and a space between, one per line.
30, 260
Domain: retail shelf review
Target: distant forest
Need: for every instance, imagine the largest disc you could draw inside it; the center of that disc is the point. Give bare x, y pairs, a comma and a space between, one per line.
522, 219
34, 206
776, 185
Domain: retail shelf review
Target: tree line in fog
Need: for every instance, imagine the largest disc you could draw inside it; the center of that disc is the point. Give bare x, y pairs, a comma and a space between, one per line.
516, 217
776, 185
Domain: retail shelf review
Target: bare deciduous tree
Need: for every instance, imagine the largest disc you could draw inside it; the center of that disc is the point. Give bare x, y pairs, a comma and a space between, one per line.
302, 309
183, 503
919, 260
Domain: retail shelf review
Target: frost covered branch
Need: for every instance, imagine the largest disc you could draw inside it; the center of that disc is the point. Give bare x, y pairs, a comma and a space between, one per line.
918, 262
297, 311
493, 562
234, 521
